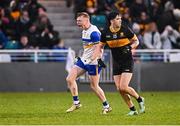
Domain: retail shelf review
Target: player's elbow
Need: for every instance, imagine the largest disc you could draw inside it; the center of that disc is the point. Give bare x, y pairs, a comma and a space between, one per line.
137, 42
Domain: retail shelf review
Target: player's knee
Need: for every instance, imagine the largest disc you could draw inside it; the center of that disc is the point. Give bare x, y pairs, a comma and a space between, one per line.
94, 87
123, 88
69, 80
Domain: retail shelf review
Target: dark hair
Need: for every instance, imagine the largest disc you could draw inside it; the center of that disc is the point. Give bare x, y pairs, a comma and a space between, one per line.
112, 15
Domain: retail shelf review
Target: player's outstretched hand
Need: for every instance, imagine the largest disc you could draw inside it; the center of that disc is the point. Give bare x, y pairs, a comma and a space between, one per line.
101, 63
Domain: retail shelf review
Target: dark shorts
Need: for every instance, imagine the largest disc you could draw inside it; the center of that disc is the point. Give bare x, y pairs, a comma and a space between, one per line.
124, 64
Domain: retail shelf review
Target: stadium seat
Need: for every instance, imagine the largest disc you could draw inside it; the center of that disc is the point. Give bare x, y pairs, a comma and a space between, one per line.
99, 21
12, 45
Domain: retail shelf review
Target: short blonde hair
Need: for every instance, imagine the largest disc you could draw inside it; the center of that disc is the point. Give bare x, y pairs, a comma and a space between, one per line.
84, 14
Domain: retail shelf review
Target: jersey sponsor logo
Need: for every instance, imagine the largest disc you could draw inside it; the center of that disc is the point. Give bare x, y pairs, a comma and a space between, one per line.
85, 35
114, 36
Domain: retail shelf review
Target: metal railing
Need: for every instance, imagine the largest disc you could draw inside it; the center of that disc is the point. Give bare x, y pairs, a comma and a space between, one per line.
32, 55
139, 55
37, 56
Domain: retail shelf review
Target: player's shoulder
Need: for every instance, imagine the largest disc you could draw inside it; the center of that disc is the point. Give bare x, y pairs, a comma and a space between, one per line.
93, 28
105, 30
124, 25
126, 28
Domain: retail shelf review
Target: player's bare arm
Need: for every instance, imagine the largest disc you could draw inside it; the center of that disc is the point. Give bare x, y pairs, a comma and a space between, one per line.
134, 42
98, 51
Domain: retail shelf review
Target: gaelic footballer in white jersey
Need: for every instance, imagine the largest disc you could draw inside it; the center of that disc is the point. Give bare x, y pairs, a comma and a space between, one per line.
90, 37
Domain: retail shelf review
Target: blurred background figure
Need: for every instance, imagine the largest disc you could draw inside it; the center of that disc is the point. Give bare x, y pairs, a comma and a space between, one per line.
170, 38
152, 38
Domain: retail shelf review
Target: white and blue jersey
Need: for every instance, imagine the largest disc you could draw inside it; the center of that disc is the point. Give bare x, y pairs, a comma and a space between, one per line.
90, 37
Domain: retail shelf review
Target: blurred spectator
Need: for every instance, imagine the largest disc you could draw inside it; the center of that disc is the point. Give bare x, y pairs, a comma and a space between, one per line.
97, 7
41, 12
33, 7
24, 42
48, 37
15, 12
110, 4
102, 7
137, 8
127, 18
136, 29
4, 21
91, 6
4, 3
23, 23
79, 6
59, 45
143, 22
156, 9
152, 38
3, 40
34, 36
170, 17
170, 38
121, 6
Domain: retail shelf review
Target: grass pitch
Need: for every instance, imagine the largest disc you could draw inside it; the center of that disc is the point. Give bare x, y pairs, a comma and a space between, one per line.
49, 109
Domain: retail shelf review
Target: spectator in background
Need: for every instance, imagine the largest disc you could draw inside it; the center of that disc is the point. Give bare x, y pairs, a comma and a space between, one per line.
24, 42
15, 11
14, 18
156, 9
137, 8
23, 23
41, 12
170, 38
47, 35
136, 29
4, 21
3, 40
79, 6
33, 7
4, 3
171, 16
34, 36
152, 38
143, 22
127, 18
121, 6
60, 45
91, 6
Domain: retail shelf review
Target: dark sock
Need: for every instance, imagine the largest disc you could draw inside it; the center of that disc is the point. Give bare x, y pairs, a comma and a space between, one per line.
105, 103
75, 98
139, 99
132, 108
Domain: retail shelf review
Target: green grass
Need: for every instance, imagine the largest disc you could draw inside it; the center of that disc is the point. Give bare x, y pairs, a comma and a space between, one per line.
49, 108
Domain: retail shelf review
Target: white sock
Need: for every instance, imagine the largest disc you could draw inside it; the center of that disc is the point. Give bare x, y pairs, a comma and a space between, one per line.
105, 107
76, 102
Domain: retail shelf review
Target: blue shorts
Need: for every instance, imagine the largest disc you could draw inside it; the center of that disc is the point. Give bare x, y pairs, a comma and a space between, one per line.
91, 69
